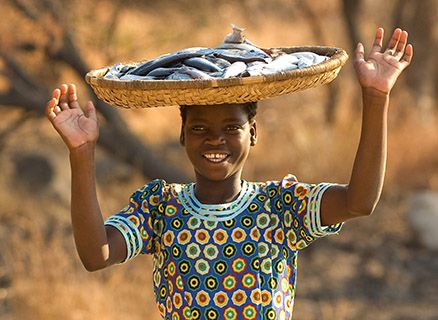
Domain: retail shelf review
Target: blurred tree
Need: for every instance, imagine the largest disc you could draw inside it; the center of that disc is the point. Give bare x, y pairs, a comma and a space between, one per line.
350, 10
30, 90
420, 19
320, 37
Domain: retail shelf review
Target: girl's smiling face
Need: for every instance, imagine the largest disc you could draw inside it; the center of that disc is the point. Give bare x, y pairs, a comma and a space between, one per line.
217, 140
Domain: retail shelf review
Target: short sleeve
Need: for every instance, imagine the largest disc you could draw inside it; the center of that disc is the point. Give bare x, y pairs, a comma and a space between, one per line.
137, 220
300, 205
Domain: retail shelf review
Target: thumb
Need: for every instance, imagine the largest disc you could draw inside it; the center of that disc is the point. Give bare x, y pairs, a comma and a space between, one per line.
359, 52
90, 111
358, 55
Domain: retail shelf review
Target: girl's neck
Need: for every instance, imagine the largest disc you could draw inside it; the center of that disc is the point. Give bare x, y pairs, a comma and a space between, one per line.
217, 192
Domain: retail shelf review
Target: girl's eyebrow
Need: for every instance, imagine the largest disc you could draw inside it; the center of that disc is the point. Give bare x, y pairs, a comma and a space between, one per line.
196, 119
227, 120
241, 121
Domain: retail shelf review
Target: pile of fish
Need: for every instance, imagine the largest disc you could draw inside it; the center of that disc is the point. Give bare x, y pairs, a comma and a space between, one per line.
235, 57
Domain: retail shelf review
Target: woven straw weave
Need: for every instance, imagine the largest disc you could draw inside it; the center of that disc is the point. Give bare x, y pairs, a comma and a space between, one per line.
159, 93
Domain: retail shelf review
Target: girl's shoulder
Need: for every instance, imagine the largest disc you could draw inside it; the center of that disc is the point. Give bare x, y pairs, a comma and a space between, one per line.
286, 182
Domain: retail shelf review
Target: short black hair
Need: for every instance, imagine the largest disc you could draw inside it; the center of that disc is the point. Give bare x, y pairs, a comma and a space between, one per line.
251, 108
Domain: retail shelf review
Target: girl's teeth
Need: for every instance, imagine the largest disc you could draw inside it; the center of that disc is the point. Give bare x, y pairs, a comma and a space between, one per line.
216, 157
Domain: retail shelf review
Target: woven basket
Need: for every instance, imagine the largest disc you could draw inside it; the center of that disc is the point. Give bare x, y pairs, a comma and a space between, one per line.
159, 93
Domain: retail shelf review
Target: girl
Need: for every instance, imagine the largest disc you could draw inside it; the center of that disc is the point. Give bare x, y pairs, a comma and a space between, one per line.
226, 248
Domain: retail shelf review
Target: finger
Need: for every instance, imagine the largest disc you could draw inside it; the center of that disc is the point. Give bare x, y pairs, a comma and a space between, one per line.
63, 100
51, 115
56, 94
401, 45
72, 97
359, 54
378, 41
57, 110
392, 44
90, 111
50, 108
409, 53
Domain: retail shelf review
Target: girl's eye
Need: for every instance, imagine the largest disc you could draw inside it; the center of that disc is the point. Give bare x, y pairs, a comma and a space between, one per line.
233, 128
198, 128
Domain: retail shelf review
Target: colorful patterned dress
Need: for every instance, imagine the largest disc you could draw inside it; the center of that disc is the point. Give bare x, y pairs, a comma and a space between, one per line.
231, 261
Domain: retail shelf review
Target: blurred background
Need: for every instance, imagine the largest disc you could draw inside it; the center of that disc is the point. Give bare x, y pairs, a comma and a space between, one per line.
379, 267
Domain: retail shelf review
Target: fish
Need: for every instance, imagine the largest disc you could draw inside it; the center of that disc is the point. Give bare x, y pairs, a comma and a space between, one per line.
179, 76
307, 59
236, 69
244, 46
185, 72
218, 74
221, 63
113, 72
235, 57
168, 59
237, 40
236, 36
270, 69
202, 64
130, 77
195, 73
282, 63
111, 76
238, 55
255, 68
126, 68
284, 60
162, 72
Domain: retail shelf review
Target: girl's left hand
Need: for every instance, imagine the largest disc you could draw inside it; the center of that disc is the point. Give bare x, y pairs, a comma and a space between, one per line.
381, 70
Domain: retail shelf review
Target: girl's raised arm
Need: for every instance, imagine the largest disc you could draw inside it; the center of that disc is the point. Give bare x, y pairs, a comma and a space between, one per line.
97, 246
376, 75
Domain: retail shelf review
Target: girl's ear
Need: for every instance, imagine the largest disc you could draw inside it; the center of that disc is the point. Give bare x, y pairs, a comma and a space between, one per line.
253, 132
181, 136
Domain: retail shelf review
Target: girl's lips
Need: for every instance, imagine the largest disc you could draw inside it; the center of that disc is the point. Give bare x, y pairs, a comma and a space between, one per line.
216, 157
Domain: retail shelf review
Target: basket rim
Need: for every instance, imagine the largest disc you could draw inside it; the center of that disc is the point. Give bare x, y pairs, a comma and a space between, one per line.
337, 58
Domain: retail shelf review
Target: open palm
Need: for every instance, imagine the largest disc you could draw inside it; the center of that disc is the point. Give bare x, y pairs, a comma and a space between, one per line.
381, 69
75, 126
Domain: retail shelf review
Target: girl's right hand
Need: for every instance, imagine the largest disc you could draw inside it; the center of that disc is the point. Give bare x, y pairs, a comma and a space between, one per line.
75, 126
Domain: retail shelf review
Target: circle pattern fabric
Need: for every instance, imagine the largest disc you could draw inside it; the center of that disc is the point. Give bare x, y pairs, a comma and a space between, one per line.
210, 267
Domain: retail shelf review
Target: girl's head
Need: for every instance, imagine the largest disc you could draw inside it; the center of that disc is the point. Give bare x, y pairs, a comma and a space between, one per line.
250, 107
218, 138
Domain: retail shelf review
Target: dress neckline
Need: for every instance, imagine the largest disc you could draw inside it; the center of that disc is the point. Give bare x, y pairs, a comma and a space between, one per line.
217, 212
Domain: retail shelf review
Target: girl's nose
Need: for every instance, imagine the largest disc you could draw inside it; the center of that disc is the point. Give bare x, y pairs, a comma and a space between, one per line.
215, 138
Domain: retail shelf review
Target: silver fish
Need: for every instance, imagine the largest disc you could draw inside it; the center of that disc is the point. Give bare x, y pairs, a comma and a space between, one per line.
179, 76
202, 64
221, 63
135, 77
238, 55
162, 72
236, 36
127, 68
285, 59
282, 63
255, 68
218, 74
168, 59
277, 68
244, 46
307, 59
113, 72
195, 73
236, 69
111, 76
